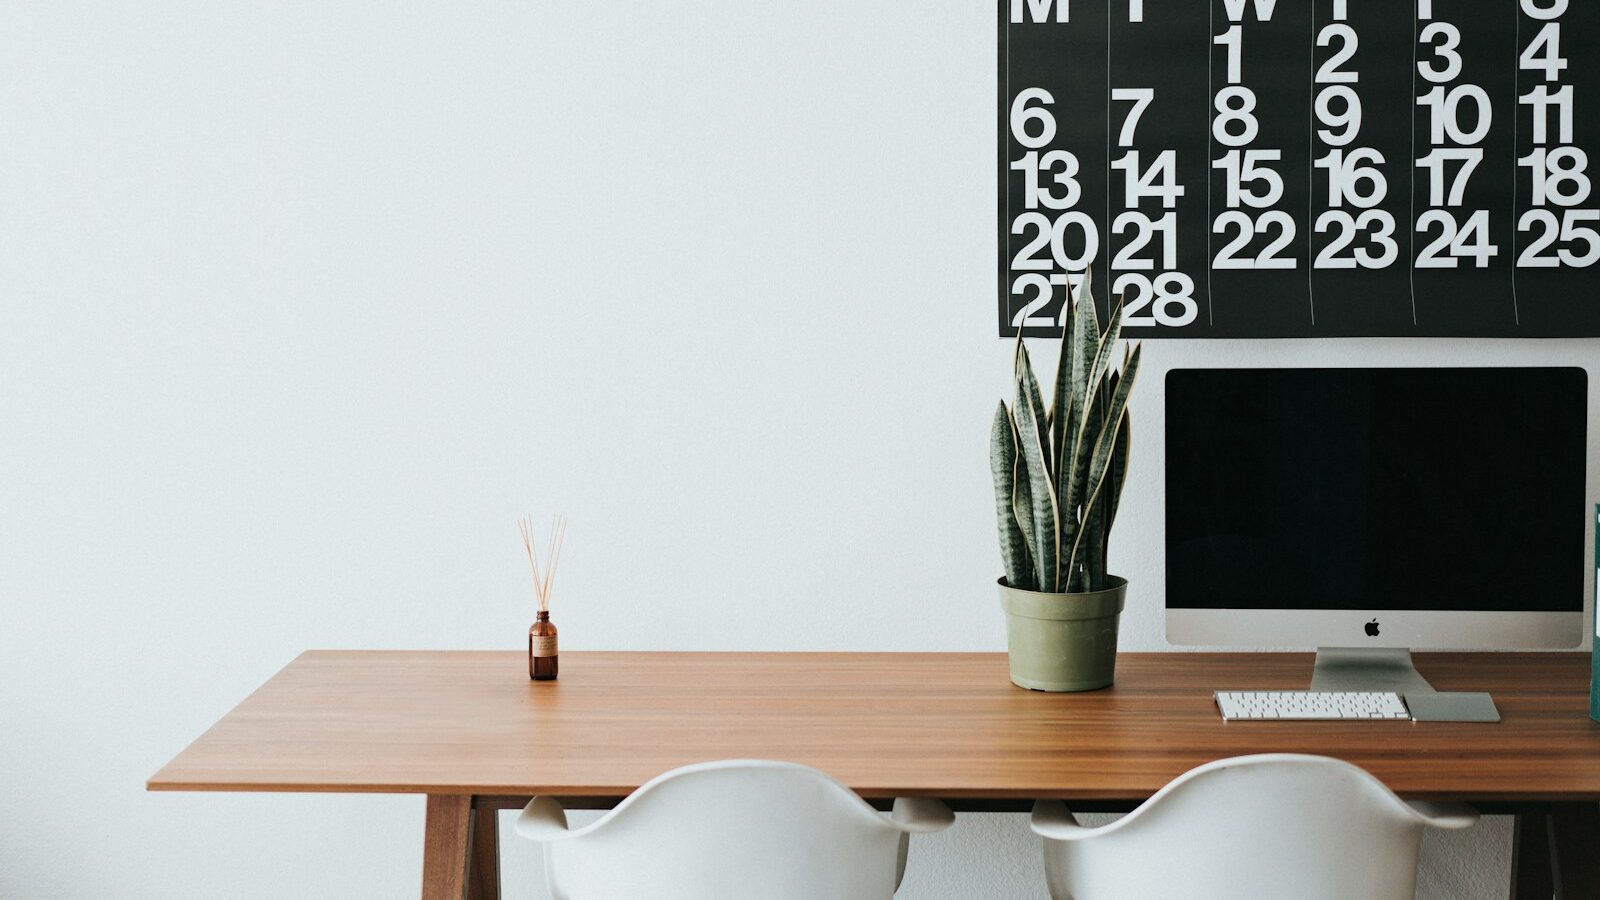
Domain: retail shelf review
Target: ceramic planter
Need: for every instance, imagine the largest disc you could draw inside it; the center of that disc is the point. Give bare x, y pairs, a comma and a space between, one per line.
1063, 642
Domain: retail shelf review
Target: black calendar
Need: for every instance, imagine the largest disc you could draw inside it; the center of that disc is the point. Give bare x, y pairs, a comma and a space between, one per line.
1301, 168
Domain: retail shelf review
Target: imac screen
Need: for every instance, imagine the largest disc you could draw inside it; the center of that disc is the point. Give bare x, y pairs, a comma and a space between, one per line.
1405, 489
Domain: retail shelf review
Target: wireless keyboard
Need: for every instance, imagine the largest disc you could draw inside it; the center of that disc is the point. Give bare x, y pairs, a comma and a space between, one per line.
1311, 705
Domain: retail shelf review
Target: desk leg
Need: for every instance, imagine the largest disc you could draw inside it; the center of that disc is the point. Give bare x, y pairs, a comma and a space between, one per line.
1552, 852
484, 883
446, 841
1574, 837
460, 850
1531, 878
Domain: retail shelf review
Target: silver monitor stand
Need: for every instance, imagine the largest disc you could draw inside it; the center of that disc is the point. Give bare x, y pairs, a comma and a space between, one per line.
1367, 669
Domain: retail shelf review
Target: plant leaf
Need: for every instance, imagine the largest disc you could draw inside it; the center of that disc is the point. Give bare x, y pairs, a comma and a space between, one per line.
1093, 420
1090, 575
1103, 351
1085, 344
1022, 514
1003, 465
1024, 369
1105, 442
1061, 396
1046, 535
1107, 347
1118, 474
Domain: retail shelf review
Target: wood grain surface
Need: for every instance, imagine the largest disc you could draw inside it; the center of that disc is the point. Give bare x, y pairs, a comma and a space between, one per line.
886, 724
446, 845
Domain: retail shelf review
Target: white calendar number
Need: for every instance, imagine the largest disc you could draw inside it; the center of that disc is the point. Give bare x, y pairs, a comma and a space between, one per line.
1265, 223
1446, 118
1347, 173
1233, 39
1054, 235
1347, 117
1143, 230
1565, 229
1559, 175
1542, 99
1023, 113
1159, 179
1141, 98
1445, 39
1378, 227
1044, 289
1435, 163
1245, 166
1328, 72
1235, 124
1455, 242
1543, 53
1062, 165
1170, 297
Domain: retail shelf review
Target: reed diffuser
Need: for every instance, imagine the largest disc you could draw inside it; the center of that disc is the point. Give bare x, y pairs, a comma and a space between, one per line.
543, 662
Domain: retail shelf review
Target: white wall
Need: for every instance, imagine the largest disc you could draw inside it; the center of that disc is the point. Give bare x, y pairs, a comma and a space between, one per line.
302, 303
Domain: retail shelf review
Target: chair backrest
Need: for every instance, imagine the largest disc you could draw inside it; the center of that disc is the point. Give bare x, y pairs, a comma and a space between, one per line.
1268, 826
732, 830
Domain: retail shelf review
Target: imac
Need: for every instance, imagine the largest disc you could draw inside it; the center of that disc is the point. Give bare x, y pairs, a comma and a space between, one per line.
1369, 511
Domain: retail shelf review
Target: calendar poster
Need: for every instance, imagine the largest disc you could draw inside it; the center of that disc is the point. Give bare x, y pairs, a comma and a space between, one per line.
1301, 168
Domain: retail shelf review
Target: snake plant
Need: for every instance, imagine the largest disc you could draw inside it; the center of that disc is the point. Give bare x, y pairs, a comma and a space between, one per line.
1058, 474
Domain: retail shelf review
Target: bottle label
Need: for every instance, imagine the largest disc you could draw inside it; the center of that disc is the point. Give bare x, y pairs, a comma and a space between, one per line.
542, 645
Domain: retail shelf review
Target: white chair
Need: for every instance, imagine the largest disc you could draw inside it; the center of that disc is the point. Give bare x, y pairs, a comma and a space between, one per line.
732, 830
1261, 827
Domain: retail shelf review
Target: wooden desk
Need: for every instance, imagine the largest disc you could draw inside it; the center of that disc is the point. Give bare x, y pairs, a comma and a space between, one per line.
473, 733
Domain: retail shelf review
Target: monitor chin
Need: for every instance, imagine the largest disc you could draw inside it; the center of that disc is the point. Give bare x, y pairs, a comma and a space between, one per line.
1409, 629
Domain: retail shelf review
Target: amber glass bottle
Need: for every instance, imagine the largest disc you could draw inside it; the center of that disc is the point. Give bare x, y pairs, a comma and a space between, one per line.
542, 659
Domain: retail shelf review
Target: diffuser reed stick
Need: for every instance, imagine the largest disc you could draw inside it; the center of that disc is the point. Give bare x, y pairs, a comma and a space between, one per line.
542, 582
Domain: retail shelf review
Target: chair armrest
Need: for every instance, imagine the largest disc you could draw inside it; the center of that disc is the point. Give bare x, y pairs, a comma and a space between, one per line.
922, 814
1052, 819
543, 820
1444, 815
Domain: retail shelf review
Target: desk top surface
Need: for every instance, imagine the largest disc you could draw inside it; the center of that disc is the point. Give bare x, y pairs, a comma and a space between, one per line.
886, 724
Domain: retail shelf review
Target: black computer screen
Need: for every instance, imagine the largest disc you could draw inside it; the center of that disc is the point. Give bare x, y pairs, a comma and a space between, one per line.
1420, 489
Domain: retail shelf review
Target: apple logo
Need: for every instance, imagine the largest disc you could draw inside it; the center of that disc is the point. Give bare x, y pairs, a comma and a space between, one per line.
1372, 628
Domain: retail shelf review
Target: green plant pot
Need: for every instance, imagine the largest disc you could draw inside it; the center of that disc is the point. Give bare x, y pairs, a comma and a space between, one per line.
1063, 642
